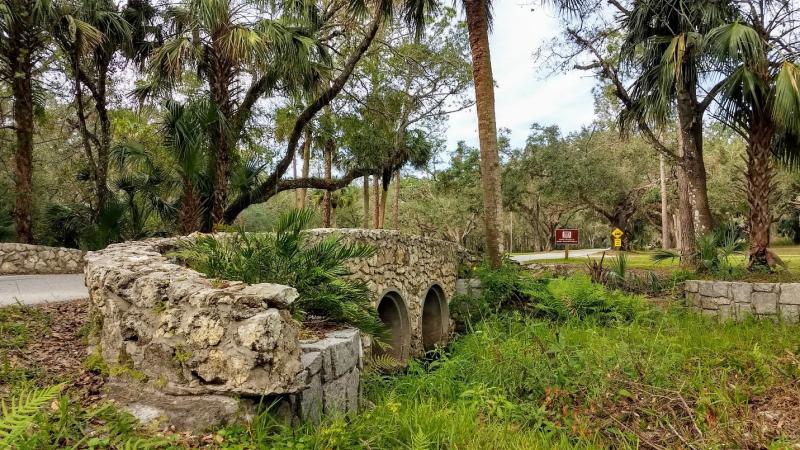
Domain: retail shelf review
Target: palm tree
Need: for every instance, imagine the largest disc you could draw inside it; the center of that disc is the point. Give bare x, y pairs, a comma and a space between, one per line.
90, 53
24, 35
478, 24
226, 42
761, 101
664, 44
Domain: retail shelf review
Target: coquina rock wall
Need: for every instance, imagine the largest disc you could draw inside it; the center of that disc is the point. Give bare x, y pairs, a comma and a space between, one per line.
737, 300
196, 352
25, 259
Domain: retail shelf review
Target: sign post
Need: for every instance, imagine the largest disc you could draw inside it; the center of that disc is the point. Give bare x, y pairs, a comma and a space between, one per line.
567, 236
617, 235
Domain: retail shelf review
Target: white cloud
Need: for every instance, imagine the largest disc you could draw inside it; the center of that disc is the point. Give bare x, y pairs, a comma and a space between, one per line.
522, 97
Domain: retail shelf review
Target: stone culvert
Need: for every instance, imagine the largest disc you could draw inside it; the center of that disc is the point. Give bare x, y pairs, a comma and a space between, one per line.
176, 341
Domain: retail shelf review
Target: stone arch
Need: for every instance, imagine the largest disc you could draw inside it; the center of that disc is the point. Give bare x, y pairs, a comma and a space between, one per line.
435, 324
393, 312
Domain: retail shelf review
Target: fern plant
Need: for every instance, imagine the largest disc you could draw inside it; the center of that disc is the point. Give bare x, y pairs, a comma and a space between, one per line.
20, 413
317, 270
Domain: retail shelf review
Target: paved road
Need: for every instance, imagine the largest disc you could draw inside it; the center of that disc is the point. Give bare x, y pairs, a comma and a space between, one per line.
559, 254
36, 289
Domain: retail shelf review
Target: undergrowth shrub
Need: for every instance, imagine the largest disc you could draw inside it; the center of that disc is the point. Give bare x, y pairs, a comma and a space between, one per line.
317, 270
510, 288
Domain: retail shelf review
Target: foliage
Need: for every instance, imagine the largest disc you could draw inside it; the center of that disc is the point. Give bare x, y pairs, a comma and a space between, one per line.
519, 382
714, 250
316, 269
20, 413
559, 299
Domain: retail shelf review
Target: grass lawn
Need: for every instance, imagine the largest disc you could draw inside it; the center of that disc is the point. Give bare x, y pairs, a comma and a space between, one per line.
643, 259
667, 379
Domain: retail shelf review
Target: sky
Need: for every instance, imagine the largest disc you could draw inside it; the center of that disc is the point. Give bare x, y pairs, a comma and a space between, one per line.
522, 94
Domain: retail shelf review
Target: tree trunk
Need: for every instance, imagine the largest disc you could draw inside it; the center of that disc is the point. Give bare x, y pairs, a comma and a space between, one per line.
386, 179
190, 213
396, 204
222, 144
104, 149
376, 193
759, 189
690, 124
22, 90
685, 213
365, 196
665, 238
326, 196
478, 29
306, 166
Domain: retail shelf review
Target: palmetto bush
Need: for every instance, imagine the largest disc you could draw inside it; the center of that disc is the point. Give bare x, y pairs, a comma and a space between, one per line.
317, 270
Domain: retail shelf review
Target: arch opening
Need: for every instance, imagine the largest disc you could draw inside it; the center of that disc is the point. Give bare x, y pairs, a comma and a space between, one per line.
392, 312
435, 318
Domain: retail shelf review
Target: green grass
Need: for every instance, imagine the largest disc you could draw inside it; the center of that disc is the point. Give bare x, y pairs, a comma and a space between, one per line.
521, 383
662, 379
643, 259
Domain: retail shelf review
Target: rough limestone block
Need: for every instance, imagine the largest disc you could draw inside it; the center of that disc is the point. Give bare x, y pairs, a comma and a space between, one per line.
789, 313
341, 394
323, 346
764, 303
766, 287
155, 408
714, 288
740, 292
310, 401
345, 353
723, 301
691, 286
743, 310
312, 362
726, 312
790, 294
709, 303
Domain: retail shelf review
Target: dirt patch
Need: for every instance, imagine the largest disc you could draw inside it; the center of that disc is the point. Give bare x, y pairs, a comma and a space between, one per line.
54, 348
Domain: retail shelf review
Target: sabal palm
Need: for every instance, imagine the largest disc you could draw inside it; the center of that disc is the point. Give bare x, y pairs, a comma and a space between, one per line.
91, 33
761, 100
24, 35
225, 42
663, 45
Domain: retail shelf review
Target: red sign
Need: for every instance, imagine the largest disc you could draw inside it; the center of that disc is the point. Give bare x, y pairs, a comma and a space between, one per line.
567, 236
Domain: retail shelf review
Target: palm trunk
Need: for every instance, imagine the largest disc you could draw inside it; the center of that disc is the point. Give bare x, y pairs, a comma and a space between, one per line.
22, 90
376, 192
386, 179
222, 143
104, 149
396, 203
306, 166
326, 196
365, 196
478, 28
759, 188
190, 212
685, 213
298, 202
690, 123
665, 238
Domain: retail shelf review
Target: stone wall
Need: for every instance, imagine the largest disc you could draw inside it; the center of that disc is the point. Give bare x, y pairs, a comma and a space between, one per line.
407, 265
176, 341
25, 259
738, 300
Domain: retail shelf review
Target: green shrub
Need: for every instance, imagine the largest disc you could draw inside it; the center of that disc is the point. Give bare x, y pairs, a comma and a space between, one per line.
316, 270
510, 288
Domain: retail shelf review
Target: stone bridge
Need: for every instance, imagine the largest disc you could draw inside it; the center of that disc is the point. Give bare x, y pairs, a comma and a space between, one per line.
412, 279
179, 341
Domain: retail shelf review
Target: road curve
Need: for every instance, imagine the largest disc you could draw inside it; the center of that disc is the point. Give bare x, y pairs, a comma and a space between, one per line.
38, 289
